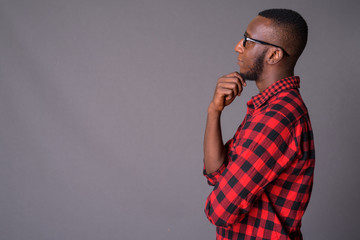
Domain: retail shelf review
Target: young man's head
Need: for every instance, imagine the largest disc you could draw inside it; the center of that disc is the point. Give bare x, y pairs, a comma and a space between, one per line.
272, 43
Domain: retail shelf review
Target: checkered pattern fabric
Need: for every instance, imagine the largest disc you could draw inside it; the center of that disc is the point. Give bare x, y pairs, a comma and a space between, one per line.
262, 189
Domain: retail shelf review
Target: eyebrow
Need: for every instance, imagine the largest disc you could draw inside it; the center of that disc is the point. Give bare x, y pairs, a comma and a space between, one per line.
247, 34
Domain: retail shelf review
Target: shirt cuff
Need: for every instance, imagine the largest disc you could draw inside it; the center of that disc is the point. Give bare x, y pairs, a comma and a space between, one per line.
212, 178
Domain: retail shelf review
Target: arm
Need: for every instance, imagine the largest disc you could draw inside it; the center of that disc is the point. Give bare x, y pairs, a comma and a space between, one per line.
227, 88
258, 159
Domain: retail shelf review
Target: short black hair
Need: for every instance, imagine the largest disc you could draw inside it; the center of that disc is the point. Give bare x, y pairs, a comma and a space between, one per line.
292, 22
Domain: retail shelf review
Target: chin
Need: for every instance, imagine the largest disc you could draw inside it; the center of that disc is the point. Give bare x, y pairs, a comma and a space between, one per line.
248, 77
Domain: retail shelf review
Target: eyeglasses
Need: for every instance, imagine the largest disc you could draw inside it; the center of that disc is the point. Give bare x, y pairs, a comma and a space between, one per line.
246, 38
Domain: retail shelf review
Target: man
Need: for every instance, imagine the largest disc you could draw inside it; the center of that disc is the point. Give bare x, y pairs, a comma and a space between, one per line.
262, 176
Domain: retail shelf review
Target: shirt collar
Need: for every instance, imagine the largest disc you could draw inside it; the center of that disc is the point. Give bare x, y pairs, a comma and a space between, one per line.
278, 86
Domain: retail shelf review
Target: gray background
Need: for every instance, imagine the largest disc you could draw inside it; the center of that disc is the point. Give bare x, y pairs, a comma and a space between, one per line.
103, 107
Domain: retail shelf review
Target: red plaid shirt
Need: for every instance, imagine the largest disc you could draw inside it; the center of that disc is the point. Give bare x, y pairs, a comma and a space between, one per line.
262, 189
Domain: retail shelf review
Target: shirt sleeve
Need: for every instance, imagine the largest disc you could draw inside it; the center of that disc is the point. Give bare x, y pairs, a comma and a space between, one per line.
265, 147
212, 178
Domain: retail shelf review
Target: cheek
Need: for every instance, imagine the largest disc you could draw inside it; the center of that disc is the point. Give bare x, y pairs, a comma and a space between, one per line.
247, 63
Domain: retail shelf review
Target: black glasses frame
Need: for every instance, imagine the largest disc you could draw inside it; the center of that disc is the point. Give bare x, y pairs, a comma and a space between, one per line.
246, 38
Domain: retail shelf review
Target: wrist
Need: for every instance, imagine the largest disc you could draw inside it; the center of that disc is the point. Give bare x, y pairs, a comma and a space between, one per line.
212, 110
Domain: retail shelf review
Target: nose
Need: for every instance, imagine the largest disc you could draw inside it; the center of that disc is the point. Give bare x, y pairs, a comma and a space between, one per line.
239, 46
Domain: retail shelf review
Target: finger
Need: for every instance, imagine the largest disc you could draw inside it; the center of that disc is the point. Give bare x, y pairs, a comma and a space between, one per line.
239, 83
242, 80
233, 80
230, 75
234, 76
224, 91
234, 86
228, 94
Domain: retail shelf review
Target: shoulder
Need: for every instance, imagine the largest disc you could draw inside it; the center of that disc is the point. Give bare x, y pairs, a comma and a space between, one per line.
287, 107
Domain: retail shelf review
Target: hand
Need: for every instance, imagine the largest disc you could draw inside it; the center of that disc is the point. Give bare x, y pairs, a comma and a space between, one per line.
227, 88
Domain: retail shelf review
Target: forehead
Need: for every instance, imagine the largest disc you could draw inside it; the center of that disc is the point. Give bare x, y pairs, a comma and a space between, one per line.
260, 27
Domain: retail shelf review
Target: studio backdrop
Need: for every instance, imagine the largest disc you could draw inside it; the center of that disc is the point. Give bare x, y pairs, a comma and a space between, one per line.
103, 107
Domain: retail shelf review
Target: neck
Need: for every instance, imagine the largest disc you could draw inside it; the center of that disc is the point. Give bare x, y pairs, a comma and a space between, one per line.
267, 79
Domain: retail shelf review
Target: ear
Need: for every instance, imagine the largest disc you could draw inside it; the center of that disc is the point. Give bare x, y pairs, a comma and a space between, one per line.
274, 55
